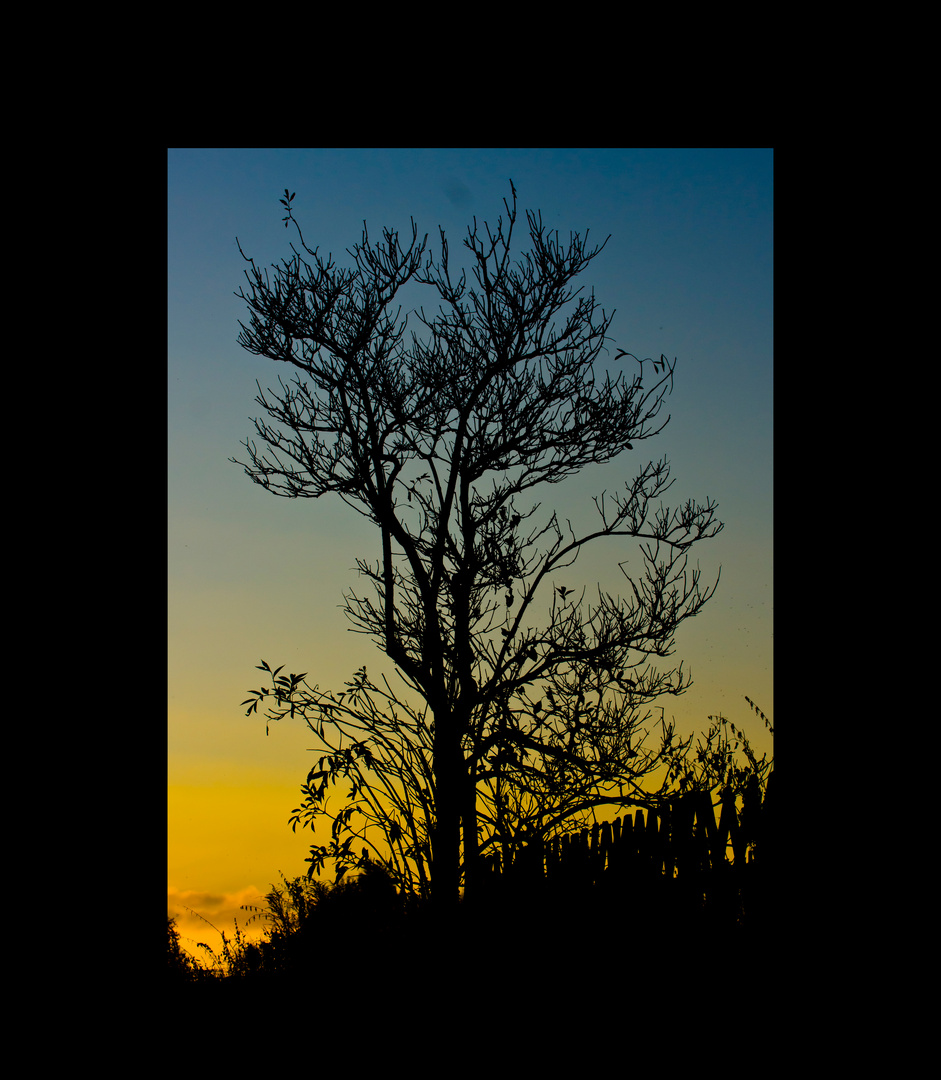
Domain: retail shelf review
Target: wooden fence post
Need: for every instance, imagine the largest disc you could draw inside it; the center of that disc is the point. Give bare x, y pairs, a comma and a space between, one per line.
607, 850
729, 827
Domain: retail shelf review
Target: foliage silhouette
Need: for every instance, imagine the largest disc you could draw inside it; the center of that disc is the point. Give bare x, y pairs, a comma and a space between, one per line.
361, 931
182, 968
348, 931
529, 719
724, 763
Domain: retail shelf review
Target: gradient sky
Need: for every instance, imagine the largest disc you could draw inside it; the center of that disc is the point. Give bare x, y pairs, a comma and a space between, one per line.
688, 269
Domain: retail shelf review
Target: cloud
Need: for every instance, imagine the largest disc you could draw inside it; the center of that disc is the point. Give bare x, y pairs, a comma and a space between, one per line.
457, 191
205, 916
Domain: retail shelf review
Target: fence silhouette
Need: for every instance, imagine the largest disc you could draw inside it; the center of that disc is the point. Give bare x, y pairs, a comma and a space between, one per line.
680, 854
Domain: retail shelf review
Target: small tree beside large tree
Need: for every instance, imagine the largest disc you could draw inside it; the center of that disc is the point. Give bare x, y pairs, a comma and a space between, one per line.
533, 699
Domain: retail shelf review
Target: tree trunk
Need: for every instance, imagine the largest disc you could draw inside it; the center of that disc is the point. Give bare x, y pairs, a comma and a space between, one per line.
469, 826
446, 848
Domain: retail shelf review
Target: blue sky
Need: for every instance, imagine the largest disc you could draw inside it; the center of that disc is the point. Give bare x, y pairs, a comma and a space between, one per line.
688, 268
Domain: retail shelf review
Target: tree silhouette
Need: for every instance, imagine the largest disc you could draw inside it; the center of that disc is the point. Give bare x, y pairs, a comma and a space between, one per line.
529, 715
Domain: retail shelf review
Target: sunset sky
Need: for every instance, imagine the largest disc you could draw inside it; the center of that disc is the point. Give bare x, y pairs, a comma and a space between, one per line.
688, 269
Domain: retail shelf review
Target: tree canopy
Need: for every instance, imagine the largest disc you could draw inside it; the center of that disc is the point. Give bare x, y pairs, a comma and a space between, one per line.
443, 428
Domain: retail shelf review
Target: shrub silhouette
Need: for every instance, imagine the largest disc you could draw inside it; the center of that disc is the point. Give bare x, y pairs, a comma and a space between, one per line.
547, 923
344, 930
181, 967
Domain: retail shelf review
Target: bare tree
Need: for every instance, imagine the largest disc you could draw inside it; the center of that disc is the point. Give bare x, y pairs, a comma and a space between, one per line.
535, 695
